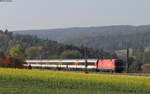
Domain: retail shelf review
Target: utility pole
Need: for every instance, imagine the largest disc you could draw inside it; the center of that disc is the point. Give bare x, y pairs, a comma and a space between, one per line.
97, 65
127, 61
86, 62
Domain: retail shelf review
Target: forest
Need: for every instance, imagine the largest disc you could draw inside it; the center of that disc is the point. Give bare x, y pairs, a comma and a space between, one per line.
107, 37
32, 47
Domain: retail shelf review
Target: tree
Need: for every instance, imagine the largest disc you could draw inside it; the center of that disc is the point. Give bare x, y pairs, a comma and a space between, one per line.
12, 62
135, 66
70, 54
1, 58
138, 55
147, 57
17, 62
17, 51
34, 52
138, 52
6, 31
1, 31
1, 54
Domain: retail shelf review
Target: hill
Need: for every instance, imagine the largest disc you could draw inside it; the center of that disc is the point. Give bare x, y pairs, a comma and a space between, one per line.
36, 48
17, 81
106, 37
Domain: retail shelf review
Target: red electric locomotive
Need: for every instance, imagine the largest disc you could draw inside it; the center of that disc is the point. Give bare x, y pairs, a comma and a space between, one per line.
114, 65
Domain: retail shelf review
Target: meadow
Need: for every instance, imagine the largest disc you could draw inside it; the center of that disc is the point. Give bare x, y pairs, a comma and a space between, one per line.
21, 81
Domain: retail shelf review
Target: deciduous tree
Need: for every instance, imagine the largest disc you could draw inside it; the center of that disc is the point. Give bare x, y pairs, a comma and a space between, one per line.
17, 51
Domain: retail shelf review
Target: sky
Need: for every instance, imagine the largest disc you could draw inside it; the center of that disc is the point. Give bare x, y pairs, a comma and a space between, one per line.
48, 14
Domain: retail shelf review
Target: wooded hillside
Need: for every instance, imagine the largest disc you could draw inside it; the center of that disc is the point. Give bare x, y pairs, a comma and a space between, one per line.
107, 37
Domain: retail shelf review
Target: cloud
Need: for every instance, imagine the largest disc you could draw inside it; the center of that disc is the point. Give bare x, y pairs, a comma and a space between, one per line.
6, 0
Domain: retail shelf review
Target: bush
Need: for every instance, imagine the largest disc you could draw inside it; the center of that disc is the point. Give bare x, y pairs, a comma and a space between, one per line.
11, 62
146, 68
135, 66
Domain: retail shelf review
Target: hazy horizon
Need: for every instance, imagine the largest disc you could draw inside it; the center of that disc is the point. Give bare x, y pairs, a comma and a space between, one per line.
75, 27
53, 14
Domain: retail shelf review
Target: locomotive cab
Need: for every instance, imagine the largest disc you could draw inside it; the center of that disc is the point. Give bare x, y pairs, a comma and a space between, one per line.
119, 66
113, 65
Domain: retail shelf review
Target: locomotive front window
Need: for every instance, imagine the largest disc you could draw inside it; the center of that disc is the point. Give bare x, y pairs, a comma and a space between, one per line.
118, 63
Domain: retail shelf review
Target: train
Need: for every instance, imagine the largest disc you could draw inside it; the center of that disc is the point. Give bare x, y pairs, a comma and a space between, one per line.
112, 65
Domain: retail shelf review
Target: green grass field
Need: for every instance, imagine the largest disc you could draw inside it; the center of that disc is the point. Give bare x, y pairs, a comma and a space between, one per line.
19, 81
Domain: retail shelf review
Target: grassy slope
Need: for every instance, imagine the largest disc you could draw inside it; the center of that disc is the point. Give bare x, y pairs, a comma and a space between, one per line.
15, 81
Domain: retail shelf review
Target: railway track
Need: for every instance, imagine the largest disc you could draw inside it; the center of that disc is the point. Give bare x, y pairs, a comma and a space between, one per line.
133, 74
109, 73
94, 72
126, 74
